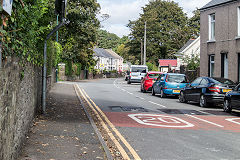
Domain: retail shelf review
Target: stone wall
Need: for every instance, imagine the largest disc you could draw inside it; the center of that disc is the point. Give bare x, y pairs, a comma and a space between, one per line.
20, 98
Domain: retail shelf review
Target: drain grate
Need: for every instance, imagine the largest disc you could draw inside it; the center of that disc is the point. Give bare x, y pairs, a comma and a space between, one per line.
127, 109
181, 111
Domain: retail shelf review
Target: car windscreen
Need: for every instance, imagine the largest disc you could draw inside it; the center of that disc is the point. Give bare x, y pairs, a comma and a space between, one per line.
221, 81
154, 75
177, 78
139, 69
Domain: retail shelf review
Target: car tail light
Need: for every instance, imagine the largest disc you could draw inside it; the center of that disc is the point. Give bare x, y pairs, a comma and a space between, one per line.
214, 89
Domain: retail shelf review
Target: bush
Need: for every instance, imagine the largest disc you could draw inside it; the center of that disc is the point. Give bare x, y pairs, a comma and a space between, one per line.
151, 66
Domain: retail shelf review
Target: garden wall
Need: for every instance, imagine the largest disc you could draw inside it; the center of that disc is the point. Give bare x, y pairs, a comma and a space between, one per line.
20, 98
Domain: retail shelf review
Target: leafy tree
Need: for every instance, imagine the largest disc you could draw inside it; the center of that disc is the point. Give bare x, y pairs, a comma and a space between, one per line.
194, 24
151, 66
193, 62
24, 32
107, 40
79, 36
167, 30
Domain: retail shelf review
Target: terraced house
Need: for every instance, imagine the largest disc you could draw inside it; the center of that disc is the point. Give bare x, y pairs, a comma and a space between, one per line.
220, 39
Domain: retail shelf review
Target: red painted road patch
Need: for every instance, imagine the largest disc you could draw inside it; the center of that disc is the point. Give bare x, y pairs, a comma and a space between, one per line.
196, 122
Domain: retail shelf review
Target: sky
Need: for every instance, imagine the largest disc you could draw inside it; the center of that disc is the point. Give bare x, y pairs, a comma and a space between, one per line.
121, 11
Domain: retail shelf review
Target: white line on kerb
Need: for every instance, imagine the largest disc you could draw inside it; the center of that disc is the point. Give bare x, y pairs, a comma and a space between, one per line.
157, 104
204, 120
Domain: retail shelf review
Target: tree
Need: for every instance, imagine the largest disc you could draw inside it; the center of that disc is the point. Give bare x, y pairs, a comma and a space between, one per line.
80, 35
167, 30
194, 24
193, 62
107, 40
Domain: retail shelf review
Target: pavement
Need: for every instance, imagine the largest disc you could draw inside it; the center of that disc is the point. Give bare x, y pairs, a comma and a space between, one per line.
65, 132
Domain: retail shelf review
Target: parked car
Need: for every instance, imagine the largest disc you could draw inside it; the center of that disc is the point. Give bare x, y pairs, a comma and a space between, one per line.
232, 99
169, 84
148, 80
137, 72
206, 90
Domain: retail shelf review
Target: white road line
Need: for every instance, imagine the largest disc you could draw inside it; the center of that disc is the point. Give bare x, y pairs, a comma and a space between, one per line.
204, 120
140, 97
129, 93
157, 104
233, 120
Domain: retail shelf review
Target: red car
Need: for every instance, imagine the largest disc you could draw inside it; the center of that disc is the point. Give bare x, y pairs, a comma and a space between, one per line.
148, 80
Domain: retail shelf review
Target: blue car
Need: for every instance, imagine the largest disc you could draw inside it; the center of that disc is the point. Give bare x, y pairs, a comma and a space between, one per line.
169, 84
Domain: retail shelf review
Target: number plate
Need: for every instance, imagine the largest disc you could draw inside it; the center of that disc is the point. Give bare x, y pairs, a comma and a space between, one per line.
226, 90
176, 91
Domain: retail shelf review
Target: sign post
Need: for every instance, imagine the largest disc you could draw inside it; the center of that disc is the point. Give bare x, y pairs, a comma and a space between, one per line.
7, 6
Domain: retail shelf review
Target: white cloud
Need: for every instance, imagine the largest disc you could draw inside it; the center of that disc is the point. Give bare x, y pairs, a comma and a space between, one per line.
190, 5
121, 11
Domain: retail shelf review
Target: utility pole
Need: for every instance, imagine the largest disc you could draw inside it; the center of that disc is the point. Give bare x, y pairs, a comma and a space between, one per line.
57, 31
141, 52
145, 40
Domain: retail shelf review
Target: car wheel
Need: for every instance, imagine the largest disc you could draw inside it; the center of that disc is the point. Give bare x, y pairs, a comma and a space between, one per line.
227, 107
182, 98
203, 101
162, 94
144, 90
153, 92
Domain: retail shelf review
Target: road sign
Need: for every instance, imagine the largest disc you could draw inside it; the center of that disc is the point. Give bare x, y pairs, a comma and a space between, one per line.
7, 6
160, 120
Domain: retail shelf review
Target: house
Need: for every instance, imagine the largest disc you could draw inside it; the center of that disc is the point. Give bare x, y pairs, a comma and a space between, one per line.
220, 39
107, 60
189, 50
166, 65
118, 60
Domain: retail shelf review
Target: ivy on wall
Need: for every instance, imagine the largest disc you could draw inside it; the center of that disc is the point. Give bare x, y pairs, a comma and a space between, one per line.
24, 31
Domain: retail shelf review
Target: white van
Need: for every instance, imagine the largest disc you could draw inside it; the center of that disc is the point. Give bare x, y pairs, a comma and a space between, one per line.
137, 72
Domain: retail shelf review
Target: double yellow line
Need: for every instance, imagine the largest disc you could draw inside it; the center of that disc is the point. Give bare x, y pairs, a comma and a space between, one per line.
106, 124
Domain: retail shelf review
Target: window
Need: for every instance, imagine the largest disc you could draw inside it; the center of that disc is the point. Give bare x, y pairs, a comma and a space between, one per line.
211, 65
238, 67
196, 82
238, 19
212, 27
224, 66
204, 82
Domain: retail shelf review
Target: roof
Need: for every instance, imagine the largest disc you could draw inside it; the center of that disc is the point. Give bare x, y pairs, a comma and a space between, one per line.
214, 3
167, 62
186, 45
100, 52
114, 54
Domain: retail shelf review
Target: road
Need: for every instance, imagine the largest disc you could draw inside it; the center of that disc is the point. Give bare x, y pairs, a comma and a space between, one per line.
162, 128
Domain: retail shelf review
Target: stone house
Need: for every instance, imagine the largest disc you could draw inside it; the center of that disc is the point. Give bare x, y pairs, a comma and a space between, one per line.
220, 39
189, 50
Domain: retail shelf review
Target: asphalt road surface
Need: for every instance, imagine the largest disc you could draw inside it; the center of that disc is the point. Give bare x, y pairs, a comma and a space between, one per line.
163, 128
